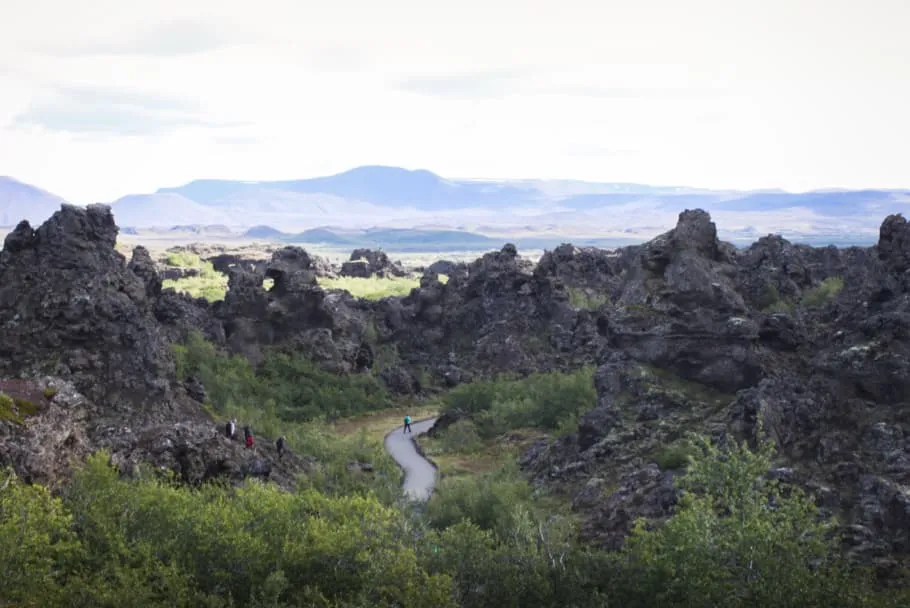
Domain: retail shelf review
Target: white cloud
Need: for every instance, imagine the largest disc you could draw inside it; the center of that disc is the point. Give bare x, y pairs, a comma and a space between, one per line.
105, 97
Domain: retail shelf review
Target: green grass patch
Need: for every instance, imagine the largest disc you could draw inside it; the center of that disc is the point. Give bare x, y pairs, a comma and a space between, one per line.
373, 288
209, 284
587, 299
294, 387
377, 425
15, 409
183, 259
668, 381
823, 292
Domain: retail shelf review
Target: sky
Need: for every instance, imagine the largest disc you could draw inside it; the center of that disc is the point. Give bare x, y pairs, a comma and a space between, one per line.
101, 98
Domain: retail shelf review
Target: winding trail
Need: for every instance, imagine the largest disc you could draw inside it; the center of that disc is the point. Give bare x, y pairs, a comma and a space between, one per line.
419, 474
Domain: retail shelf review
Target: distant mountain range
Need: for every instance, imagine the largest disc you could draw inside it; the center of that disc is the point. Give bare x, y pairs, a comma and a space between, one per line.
402, 207
20, 201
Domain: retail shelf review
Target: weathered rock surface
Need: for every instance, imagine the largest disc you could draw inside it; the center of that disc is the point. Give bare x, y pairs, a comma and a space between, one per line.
86, 361
366, 263
689, 349
495, 315
70, 306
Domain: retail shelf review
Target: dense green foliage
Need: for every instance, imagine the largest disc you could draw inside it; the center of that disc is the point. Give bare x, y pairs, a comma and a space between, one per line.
736, 540
543, 400
290, 387
291, 396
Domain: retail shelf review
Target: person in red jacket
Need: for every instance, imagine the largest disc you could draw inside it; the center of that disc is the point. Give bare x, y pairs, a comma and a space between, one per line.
248, 434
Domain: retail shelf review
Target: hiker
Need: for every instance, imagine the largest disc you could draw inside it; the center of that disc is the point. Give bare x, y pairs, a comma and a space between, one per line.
280, 445
248, 434
407, 425
232, 429
227, 429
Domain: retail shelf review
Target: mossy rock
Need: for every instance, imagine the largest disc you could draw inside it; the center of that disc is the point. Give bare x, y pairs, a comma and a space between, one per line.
16, 409
673, 456
688, 389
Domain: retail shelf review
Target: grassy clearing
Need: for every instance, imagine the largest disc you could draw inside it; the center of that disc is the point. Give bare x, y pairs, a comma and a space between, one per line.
183, 259
459, 450
373, 288
377, 424
209, 284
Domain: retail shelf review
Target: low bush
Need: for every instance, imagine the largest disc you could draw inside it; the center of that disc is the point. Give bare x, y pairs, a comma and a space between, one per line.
542, 400
823, 292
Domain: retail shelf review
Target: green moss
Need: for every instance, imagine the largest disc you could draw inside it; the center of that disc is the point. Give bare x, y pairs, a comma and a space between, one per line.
15, 409
587, 299
371, 334
825, 290
689, 389
385, 356
50, 392
784, 306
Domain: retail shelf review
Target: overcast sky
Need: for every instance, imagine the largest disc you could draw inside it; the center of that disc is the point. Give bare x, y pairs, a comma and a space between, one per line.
100, 98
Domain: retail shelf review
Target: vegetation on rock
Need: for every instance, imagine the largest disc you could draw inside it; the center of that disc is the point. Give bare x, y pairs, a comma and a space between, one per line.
209, 283
371, 288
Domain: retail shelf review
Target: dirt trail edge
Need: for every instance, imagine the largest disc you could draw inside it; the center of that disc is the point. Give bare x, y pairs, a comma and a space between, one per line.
419, 473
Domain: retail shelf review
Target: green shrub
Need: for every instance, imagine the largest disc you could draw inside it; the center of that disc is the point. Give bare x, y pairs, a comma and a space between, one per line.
543, 400
674, 456
492, 500
737, 539
461, 437
823, 292
294, 387
50, 392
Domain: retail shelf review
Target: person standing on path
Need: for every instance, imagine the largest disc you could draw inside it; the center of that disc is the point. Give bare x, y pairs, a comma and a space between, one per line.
407, 425
280, 446
232, 429
248, 434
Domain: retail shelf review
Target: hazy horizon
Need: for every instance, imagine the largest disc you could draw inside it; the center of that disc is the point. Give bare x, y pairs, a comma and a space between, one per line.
102, 99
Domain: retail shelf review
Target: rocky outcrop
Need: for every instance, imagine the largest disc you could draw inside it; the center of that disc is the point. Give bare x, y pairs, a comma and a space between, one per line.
86, 364
70, 306
366, 263
294, 313
689, 348
495, 315
593, 270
